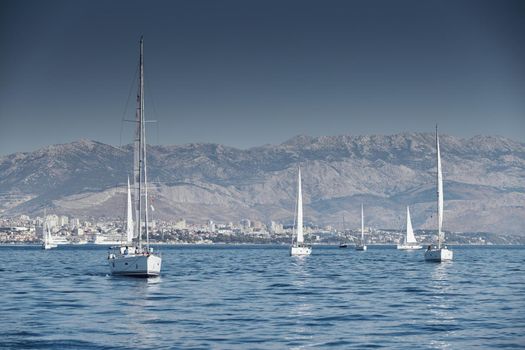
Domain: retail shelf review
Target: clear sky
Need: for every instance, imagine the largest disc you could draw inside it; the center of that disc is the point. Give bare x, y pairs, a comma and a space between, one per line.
246, 73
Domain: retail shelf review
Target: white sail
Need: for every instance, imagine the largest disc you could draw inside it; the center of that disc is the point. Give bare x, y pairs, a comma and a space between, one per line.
410, 238
136, 172
362, 225
48, 239
46, 233
129, 222
146, 206
298, 247
300, 237
439, 193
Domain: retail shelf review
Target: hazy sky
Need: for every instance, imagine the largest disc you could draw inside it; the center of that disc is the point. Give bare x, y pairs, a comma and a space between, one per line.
245, 73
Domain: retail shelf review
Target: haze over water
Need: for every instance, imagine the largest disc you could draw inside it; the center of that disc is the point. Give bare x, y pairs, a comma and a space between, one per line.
257, 297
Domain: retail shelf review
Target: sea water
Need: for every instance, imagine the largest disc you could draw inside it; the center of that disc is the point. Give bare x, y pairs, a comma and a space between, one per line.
258, 297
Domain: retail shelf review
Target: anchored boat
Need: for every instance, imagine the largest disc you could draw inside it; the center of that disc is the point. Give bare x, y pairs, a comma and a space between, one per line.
440, 252
409, 241
298, 246
133, 258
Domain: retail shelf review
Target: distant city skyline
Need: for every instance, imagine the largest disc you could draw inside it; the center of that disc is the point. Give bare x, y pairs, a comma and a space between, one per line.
248, 73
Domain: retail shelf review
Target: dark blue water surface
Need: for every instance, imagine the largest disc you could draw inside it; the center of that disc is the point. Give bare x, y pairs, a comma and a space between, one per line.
258, 297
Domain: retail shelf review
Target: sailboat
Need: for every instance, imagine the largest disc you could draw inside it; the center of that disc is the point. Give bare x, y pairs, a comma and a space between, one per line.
409, 241
343, 243
48, 239
440, 252
298, 246
361, 244
133, 258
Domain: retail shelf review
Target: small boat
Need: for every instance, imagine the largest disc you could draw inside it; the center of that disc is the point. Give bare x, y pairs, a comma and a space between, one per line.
440, 252
298, 246
361, 246
132, 258
409, 241
48, 239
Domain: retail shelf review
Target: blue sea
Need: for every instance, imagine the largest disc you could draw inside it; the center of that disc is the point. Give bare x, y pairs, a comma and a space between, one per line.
258, 297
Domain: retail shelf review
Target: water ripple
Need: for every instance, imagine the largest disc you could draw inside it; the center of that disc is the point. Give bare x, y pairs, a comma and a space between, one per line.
257, 297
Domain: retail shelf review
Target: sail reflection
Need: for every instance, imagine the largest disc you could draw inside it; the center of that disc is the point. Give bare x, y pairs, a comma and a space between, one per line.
301, 309
443, 320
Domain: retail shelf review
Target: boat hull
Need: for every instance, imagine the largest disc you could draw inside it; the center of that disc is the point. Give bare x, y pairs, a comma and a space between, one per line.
300, 250
147, 265
360, 248
439, 255
408, 247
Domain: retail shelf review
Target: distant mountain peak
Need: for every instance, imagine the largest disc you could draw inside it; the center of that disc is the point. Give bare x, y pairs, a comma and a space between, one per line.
300, 140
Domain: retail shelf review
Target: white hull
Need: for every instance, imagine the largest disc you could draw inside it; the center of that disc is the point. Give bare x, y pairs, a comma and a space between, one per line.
438, 255
48, 246
360, 247
147, 265
300, 250
408, 247
60, 241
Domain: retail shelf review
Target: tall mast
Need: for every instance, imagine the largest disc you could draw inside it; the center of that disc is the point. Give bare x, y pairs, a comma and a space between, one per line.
139, 145
439, 192
136, 163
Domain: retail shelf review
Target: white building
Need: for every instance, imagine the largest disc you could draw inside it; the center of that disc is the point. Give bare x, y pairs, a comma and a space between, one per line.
276, 228
52, 221
63, 220
180, 224
211, 226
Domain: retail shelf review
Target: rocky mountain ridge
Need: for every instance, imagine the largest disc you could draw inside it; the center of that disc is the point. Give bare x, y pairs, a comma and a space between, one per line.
484, 180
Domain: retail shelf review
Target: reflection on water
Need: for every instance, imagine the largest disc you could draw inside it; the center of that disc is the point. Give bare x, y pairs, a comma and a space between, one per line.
300, 304
139, 317
442, 319
231, 297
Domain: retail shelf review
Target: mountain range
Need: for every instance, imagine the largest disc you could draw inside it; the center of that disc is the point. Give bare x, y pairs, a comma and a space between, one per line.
484, 181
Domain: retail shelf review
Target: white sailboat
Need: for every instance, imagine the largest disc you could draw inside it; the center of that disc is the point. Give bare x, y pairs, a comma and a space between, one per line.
409, 242
298, 246
361, 244
48, 239
440, 252
133, 259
